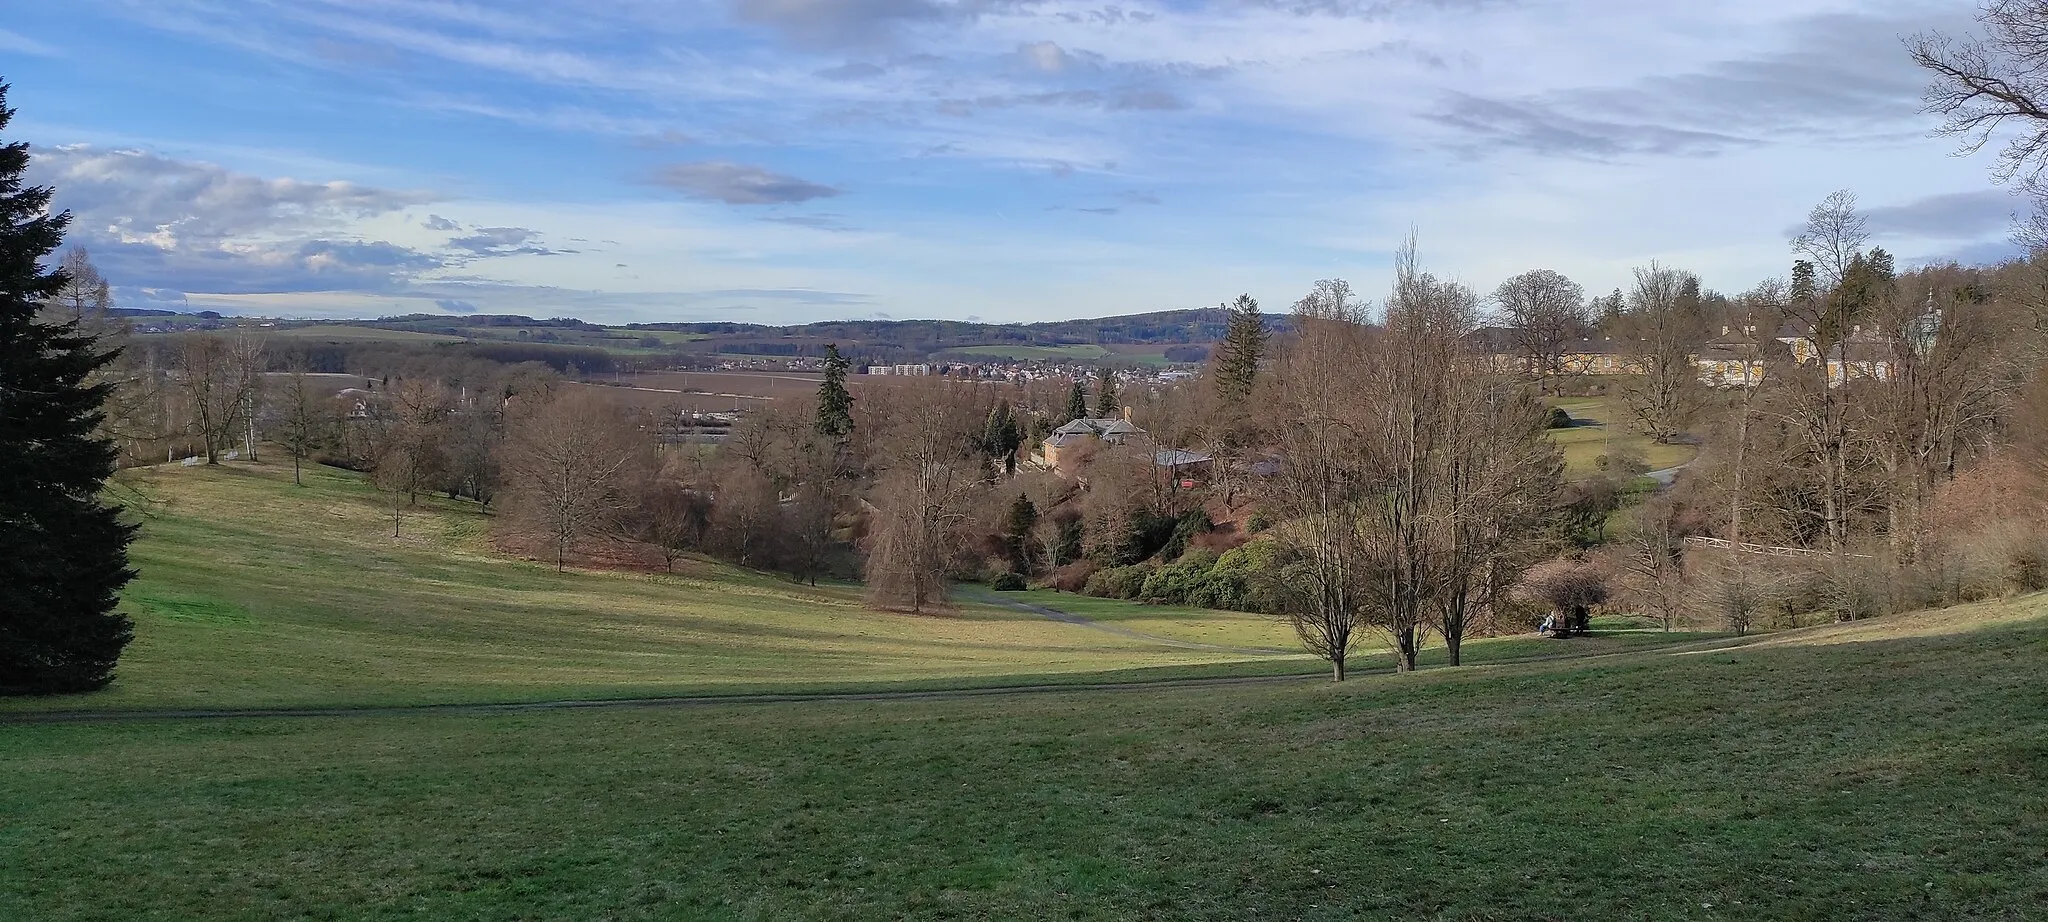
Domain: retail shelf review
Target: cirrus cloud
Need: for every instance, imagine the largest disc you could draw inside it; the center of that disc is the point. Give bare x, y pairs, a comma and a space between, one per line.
739, 184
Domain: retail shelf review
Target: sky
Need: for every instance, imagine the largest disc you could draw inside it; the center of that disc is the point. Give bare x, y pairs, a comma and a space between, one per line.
788, 161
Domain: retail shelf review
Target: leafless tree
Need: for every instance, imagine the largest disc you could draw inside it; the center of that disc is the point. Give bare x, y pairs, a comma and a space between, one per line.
1950, 377
744, 514
672, 516
1569, 588
1834, 233
1662, 331
1495, 487
1985, 84
222, 380
1323, 488
137, 409
303, 419
409, 453
929, 472
1736, 593
1543, 311
570, 465
1652, 560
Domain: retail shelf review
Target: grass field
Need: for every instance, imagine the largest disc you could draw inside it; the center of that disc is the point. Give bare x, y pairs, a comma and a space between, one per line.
345, 333
254, 592
1895, 771
1602, 429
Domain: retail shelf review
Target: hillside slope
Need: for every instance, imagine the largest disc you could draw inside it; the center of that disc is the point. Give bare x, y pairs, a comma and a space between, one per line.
254, 592
1887, 777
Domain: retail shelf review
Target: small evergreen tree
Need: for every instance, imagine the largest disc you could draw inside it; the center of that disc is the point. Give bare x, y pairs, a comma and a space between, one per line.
835, 403
1017, 529
1000, 439
1106, 401
63, 552
1237, 357
1077, 401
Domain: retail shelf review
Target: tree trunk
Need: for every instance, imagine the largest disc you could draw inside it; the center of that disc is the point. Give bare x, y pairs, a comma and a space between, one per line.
1337, 667
1404, 642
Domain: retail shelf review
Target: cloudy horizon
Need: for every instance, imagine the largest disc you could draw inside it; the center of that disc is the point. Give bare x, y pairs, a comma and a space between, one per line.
788, 161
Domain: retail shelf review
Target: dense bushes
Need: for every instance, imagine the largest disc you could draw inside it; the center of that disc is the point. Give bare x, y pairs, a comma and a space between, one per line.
1246, 578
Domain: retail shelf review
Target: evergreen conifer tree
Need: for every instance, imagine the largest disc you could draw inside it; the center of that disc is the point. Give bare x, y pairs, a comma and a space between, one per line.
1077, 401
63, 552
1022, 519
835, 403
1243, 346
1107, 402
1000, 439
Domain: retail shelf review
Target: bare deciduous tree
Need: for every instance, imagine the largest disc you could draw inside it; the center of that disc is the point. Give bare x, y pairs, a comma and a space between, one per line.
409, 451
1543, 311
222, 381
303, 419
929, 471
1322, 488
1569, 588
1662, 332
1834, 233
1984, 85
571, 462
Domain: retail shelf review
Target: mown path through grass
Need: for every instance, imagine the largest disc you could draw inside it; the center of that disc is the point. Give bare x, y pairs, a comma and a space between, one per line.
1068, 617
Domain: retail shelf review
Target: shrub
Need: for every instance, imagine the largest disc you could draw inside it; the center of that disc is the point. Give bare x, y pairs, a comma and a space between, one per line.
1118, 582
1072, 577
1623, 461
1558, 419
1007, 582
1184, 530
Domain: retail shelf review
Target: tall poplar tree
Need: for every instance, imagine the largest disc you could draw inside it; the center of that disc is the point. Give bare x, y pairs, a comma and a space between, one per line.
63, 552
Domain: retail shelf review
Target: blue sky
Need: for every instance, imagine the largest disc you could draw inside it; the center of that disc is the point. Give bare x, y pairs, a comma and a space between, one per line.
783, 161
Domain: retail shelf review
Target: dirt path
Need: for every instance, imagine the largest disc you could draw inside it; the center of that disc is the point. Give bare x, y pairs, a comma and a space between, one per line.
1067, 617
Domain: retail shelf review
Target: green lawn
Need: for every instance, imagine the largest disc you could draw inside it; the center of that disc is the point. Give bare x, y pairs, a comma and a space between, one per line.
1895, 770
1604, 428
254, 592
1246, 630
1198, 625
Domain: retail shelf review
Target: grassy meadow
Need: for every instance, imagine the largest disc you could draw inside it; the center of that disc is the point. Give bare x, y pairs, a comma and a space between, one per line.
254, 592
1893, 771
1602, 427
1895, 768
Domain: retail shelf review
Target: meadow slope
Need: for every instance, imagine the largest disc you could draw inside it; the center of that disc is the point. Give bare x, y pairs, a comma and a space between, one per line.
1892, 772
254, 592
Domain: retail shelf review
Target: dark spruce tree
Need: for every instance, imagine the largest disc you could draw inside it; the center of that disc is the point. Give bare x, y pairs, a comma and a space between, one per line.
1077, 401
835, 403
63, 552
1236, 359
1107, 400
